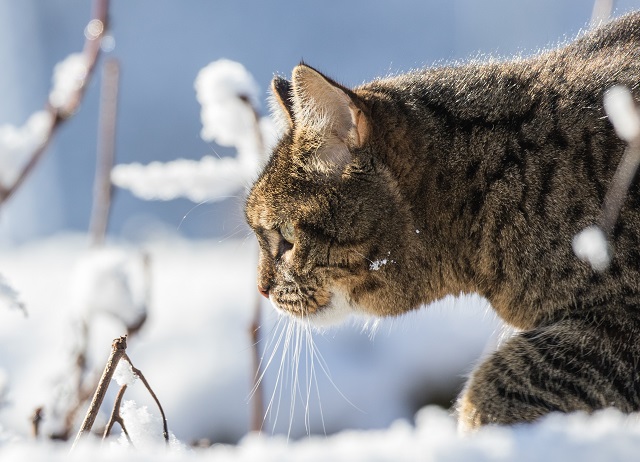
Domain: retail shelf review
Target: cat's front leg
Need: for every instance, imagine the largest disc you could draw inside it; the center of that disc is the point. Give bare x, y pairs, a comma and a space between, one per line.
568, 366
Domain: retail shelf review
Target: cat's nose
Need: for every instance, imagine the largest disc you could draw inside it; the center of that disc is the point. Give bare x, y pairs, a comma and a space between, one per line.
264, 291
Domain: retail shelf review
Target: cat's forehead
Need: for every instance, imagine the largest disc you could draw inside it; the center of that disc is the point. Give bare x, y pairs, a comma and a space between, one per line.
280, 195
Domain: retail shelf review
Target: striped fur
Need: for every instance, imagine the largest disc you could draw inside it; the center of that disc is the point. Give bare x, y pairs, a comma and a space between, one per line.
468, 178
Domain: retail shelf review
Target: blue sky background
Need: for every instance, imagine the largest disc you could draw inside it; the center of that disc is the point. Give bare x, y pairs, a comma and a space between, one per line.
162, 44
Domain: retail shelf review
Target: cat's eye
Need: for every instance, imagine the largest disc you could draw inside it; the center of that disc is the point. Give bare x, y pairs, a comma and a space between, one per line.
288, 232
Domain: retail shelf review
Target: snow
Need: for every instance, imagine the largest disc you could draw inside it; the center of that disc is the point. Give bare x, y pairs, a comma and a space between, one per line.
229, 95
230, 99
124, 375
68, 77
195, 349
590, 245
145, 428
17, 145
376, 265
195, 352
207, 179
622, 112
606, 435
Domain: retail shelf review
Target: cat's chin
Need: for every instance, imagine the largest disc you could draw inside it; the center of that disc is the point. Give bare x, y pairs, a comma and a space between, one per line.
337, 311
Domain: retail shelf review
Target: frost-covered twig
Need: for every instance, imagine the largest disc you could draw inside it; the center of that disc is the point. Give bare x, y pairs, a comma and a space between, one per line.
591, 244
71, 78
102, 189
118, 349
138, 373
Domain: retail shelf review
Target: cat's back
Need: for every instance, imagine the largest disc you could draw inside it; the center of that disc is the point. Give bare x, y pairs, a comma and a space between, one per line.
577, 73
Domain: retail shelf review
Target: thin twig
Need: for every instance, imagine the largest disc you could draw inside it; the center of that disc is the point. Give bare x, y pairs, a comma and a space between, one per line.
116, 417
260, 146
118, 350
138, 373
619, 186
91, 51
103, 189
257, 410
36, 418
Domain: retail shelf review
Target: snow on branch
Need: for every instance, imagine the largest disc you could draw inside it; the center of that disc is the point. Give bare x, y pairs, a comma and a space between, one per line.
17, 145
591, 244
22, 147
229, 97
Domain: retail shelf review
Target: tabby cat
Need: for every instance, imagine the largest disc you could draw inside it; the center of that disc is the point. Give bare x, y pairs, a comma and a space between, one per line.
460, 179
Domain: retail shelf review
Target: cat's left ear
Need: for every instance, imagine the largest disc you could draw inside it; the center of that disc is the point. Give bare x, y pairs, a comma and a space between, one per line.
321, 104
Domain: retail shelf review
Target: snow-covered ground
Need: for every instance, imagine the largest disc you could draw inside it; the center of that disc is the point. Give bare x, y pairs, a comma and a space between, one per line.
606, 436
195, 347
195, 351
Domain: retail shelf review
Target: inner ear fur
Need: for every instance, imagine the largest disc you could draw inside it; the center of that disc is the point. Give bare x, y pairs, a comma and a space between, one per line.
322, 105
283, 96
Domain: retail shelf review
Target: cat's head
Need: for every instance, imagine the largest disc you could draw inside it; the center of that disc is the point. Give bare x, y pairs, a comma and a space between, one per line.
327, 214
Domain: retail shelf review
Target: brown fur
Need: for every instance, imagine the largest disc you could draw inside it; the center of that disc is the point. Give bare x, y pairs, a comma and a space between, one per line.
470, 178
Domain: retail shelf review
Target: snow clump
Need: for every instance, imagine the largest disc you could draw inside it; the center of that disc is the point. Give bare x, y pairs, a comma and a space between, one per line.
591, 246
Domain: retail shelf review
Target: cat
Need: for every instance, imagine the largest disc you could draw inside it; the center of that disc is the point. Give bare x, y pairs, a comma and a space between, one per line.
470, 178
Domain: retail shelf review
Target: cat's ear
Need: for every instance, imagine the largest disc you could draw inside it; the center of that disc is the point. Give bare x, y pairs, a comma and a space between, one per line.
283, 99
322, 105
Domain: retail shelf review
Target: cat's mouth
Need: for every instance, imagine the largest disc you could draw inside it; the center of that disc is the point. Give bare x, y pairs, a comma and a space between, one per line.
337, 309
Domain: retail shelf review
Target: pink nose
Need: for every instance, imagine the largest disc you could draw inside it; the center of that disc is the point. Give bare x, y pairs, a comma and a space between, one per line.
264, 291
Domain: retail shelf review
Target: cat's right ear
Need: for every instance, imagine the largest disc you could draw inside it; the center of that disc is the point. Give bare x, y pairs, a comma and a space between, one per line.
283, 99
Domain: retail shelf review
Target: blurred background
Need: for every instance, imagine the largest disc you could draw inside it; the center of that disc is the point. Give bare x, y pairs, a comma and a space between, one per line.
196, 349
162, 44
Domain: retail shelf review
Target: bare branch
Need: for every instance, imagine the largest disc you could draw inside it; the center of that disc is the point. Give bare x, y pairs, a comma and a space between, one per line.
116, 417
617, 192
138, 372
36, 418
106, 151
94, 32
118, 350
591, 244
257, 410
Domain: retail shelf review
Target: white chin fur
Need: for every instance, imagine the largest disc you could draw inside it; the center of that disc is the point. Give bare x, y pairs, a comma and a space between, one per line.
336, 312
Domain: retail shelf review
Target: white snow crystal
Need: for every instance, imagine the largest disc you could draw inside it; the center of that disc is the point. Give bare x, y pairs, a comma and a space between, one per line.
124, 375
590, 245
144, 428
8, 296
17, 145
622, 111
376, 265
68, 76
